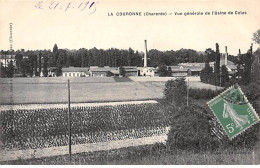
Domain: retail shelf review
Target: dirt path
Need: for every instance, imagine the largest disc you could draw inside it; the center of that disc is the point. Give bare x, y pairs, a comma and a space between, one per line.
63, 150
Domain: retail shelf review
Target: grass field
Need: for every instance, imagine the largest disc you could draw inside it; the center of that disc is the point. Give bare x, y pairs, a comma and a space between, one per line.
151, 155
54, 90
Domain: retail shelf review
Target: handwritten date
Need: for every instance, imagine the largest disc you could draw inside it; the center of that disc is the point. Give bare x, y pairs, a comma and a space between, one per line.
90, 6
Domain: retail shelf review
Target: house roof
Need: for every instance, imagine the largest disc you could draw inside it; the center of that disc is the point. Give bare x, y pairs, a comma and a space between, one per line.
75, 69
103, 69
129, 67
130, 70
182, 68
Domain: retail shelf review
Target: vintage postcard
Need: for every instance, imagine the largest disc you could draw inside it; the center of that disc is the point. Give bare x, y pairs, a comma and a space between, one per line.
120, 82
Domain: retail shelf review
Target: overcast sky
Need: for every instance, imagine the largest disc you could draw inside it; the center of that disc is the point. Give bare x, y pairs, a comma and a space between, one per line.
34, 28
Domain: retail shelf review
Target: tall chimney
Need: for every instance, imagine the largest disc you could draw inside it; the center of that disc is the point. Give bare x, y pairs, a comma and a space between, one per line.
239, 54
226, 55
145, 53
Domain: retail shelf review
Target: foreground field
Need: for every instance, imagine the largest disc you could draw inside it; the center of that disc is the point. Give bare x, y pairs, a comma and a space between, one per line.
54, 90
151, 155
28, 128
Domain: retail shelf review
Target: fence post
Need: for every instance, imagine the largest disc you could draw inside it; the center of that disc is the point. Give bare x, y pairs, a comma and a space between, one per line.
69, 122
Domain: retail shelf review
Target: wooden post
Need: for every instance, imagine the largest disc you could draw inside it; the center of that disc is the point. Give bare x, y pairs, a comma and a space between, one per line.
69, 122
188, 92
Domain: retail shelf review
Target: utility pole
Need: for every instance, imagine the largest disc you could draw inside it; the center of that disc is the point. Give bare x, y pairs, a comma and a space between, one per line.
69, 122
188, 92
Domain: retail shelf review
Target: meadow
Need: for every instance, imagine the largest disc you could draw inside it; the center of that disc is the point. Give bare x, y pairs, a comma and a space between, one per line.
55, 90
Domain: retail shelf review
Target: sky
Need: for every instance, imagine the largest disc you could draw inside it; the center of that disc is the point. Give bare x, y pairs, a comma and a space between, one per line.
82, 26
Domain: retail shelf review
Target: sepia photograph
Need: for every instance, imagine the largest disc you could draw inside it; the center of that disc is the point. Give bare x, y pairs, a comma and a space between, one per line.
120, 82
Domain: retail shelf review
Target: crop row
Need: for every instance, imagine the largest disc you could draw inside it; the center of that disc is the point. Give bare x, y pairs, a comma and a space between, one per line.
20, 127
96, 137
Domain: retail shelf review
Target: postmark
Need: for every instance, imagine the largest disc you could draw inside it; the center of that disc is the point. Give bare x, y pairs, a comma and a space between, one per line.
233, 111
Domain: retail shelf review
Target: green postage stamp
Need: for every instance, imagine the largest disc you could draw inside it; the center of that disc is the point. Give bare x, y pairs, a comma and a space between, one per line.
233, 111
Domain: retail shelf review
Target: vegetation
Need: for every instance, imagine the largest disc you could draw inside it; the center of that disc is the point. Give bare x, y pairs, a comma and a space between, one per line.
37, 128
205, 94
175, 92
31, 63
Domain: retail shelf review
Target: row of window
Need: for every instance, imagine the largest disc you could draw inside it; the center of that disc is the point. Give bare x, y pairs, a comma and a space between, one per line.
71, 74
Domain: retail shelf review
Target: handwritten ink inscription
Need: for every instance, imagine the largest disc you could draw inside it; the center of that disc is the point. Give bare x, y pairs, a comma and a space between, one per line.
89, 6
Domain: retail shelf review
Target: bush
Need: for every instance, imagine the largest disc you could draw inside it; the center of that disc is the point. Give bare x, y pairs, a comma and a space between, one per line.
175, 91
191, 131
203, 93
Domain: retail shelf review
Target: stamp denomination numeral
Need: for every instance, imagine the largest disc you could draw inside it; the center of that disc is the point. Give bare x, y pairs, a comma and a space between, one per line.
230, 127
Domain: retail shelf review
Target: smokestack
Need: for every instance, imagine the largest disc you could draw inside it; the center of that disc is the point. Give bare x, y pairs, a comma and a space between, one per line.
226, 55
239, 54
145, 53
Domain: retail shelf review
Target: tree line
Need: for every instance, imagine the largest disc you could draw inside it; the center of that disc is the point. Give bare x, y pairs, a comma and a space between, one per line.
31, 63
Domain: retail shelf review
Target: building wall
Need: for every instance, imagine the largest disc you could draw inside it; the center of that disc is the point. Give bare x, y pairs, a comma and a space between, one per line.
131, 73
98, 74
147, 72
71, 74
179, 74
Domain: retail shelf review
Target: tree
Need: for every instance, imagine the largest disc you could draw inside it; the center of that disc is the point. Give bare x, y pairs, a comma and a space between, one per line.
209, 55
224, 76
217, 64
45, 69
247, 62
55, 53
58, 70
35, 65
2, 71
10, 69
121, 71
109, 74
169, 71
206, 74
40, 63
18, 59
256, 37
162, 70
175, 91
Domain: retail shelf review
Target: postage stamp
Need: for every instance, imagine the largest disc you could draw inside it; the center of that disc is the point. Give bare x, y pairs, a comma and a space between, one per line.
233, 111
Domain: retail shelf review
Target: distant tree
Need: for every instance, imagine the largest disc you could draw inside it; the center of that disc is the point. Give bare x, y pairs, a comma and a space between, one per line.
109, 74
209, 55
18, 59
217, 64
162, 70
40, 63
10, 69
224, 76
121, 71
59, 67
55, 53
45, 66
175, 91
2, 71
247, 62
206, 74
256, 37
169, 71
35, 65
